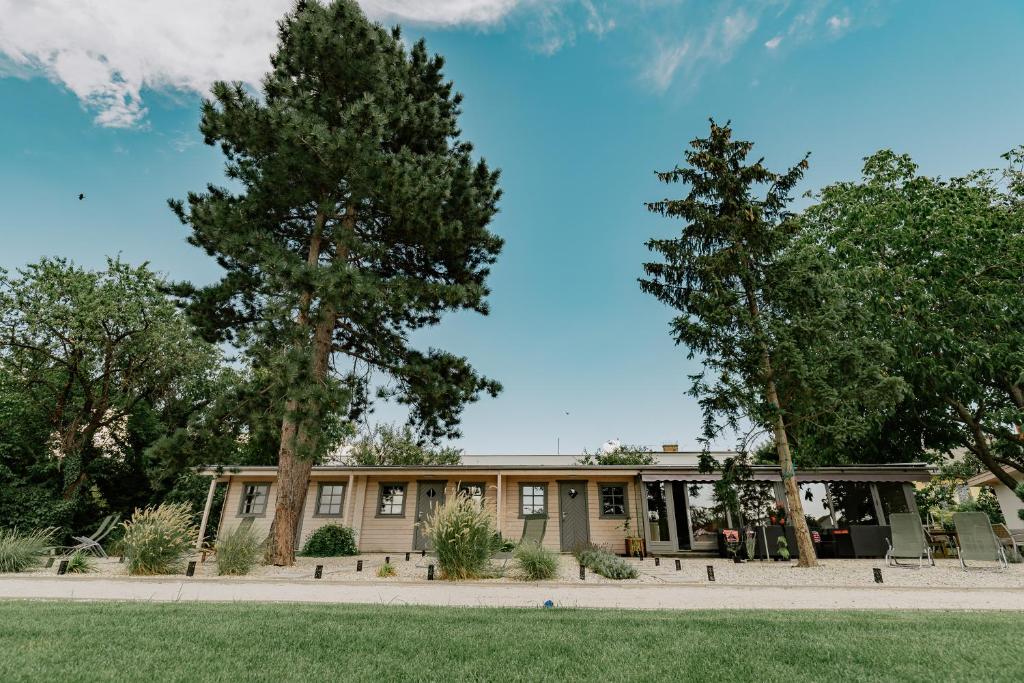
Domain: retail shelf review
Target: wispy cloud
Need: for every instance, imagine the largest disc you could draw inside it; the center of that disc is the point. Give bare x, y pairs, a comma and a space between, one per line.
714, 44
109, 53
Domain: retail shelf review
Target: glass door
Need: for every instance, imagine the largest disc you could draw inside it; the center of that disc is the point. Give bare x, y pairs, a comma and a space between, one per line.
660, 522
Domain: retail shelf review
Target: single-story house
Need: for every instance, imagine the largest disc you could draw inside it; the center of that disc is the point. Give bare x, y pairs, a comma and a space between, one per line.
1009, 503
671, 504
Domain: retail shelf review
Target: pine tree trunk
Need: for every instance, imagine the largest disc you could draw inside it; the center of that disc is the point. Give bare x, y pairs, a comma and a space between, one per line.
804, 544
300, 430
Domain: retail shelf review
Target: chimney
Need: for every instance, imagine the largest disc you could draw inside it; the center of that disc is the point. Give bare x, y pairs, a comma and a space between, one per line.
670, 448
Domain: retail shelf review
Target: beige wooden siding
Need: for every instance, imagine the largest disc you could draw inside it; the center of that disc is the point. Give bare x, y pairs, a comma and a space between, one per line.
261, 525
395, 534
310, 521
513, 524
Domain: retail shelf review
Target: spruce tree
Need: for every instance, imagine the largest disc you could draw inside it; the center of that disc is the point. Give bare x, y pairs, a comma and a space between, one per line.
717, 274
356, 216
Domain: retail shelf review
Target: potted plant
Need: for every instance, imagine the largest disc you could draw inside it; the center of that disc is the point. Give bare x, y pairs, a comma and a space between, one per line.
634, 544
732, 544
750, 540
782, 550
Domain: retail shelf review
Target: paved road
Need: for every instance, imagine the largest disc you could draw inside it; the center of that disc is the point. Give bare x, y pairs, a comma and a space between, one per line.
468, 594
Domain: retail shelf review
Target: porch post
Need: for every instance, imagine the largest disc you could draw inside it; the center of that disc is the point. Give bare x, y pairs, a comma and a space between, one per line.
206, 513
499, 511
346, 519
877, 500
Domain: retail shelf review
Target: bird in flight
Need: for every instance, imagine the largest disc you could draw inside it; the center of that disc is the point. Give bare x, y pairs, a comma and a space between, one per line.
81, 196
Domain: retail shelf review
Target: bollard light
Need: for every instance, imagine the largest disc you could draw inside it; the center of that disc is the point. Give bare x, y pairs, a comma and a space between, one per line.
49, 562
191, 570
679, 565
711, 573
62, 568
423, 553
657, 562
583, 573
359, 565
430, 572
319, 573
878, 574
407, 557
387, 559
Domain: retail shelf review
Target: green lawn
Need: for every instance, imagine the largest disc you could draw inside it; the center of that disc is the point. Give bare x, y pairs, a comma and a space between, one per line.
58, 641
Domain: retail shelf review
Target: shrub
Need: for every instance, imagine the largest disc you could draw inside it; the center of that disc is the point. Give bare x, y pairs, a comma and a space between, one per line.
21, 551
156, 540
330, 541
603, 562
80, 563
237, 551
386, 570
461, 532
536, 563
500, 544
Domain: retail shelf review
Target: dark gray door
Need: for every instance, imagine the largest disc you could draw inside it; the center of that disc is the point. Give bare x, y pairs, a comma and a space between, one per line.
428, 495
572, 507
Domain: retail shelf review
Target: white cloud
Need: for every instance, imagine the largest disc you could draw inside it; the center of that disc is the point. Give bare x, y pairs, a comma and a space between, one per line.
715, 45
773, 43
837, 25
107, 51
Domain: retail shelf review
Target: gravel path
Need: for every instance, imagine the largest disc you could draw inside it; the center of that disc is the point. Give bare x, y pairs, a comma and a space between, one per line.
831, 573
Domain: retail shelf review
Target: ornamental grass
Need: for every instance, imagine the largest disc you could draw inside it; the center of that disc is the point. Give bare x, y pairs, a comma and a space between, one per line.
23, 550
157, 540
461, 532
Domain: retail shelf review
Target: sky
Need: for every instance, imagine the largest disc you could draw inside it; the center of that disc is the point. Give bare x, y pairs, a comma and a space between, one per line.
577, 101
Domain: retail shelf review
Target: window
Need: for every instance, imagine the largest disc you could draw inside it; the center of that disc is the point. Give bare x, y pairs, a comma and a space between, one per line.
815, 502
392, 500
707, 514
613, 500
254, 500
853, 503
533, 499
892, 497
473, 491
330, 499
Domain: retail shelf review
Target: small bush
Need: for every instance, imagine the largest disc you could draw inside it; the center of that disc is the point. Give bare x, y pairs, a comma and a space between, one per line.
80, 563
536, 563
21, 551
331, 540
461, 532
386, 570
499, 544
156, 540
237, 551
604, 562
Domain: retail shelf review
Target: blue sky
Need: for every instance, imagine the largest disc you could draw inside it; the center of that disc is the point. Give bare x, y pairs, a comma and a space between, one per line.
577, 102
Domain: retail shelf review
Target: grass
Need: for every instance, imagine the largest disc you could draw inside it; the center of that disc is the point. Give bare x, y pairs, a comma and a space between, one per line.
187, 642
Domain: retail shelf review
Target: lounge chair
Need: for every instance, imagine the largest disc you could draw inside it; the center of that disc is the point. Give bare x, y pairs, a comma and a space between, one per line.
1007, 540
977, 541
91, 544
908, 540
533, 529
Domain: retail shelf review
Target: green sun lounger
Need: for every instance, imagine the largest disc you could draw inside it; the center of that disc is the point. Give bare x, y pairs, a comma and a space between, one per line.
533, 529
976, 541
908, 540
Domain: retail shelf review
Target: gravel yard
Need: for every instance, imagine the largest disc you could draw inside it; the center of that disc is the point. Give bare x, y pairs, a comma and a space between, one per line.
946, 573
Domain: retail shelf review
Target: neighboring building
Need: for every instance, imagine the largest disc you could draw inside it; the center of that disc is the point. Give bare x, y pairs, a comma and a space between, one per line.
670, 505
1009, 503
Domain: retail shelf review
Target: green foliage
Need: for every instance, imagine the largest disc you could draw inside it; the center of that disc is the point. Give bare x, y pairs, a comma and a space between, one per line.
986, 502
20, 551
460, 532
622, 455
937, 267
500, 544
157, 540
782, 547
331, 540
390, 445
604, 562
535, 563
238, 551
386, 570
81, 563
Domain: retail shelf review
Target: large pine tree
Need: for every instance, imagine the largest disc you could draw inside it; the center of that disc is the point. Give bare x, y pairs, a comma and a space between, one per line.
356, 216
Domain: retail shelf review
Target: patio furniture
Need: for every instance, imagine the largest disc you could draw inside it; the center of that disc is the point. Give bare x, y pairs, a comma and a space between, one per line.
941, 541
1006, 539
533, 529
908, 540
870, 540
977, 540
91, 544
